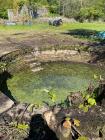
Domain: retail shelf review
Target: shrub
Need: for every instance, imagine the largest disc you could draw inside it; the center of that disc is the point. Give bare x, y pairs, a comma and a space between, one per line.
90, 14
53, 9
3, 66
3, 13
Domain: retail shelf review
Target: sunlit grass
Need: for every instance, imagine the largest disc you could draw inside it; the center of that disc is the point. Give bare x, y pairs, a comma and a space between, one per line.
46, 27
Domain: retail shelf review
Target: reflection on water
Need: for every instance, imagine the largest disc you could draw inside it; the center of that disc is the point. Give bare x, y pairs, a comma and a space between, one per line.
60, 77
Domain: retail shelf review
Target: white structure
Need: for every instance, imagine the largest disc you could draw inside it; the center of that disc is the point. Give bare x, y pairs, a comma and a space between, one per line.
42, 11
13, 16
10, 15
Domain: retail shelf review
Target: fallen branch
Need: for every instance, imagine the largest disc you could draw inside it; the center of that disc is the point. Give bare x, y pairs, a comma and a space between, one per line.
76, 130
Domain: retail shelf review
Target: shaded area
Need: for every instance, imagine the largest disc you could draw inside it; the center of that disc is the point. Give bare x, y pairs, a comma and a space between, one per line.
97, 36
3, 85
93, 119
39, 130
99, 56
100, 96
86, 33
97, 45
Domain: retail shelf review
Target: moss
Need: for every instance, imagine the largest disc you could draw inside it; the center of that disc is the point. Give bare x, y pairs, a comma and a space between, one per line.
62, 77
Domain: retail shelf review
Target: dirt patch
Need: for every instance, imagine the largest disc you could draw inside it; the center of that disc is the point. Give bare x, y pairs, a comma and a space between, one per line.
50, 41
39, 40
91, 123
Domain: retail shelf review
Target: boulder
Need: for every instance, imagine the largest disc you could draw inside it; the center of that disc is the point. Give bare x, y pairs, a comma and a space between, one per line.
5, 103
56, 22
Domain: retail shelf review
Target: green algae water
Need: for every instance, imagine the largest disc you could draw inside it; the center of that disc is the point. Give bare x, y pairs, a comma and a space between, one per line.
59, 77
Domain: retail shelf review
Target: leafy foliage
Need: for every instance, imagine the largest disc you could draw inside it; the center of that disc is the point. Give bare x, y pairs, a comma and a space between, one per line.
52, 96
90, 14
89, 101
3, 66
21, 126
82, 138
3, 13
78, 9
76, 122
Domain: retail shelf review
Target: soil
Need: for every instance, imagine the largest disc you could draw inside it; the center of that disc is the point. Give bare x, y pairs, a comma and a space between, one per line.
92, 122
51, 41
41, 41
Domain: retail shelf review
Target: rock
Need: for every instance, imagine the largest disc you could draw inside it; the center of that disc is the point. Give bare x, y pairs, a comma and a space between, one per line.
74, 99
27, 116
56, 22
19, 113
103, 132
90, 89
40, 110
54, 55
64, 133
37, 69
5, 103
7, 118
56, 109
50, 119
2, 136
20, 108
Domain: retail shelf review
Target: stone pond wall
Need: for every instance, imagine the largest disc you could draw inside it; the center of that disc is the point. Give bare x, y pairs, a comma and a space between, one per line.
61, 55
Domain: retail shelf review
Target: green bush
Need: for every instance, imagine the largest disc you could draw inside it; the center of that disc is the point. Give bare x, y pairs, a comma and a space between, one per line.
53, 9
3, 13
90, 14
3, 66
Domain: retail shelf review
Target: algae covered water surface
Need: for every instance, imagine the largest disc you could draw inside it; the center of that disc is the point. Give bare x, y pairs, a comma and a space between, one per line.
59, 77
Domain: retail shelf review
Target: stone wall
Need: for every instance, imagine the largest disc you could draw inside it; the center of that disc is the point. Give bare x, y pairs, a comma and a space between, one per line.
62, 55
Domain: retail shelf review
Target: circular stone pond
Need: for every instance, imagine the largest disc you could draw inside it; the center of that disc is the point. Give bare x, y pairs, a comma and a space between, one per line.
60, 78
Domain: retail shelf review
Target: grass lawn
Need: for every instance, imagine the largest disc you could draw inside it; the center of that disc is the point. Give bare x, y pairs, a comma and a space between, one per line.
46, 27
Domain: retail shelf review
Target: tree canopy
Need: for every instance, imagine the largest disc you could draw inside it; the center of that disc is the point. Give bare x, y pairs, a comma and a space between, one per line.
79, 9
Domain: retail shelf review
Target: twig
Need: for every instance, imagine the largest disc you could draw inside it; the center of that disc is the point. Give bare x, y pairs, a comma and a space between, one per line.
72, 134
24, 112
75, 129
